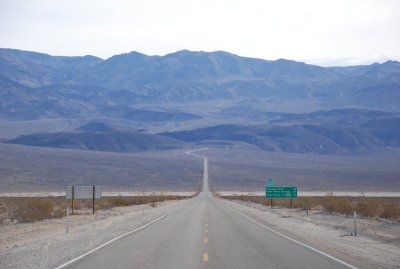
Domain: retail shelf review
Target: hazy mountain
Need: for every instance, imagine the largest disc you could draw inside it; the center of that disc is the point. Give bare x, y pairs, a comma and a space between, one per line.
285, 105
186, 76
117, 141
306, 138
129, 113
38, 69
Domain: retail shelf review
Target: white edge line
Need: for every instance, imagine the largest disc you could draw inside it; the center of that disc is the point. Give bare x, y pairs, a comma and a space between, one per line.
295, 241
112, 240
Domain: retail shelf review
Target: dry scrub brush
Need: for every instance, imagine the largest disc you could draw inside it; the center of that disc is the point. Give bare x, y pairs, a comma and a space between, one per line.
364, 206
24, 209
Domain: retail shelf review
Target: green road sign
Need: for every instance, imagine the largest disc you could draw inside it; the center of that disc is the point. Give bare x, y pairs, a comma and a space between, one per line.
270, 183
281, 192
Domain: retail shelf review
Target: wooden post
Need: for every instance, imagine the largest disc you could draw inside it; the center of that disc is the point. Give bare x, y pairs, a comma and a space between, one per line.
291, 202
271, 203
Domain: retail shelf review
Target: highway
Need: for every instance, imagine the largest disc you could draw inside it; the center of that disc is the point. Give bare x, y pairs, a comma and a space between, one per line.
206, 233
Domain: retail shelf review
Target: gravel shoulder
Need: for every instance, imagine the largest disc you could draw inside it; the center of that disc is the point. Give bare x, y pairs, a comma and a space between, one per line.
377, 244
45, 244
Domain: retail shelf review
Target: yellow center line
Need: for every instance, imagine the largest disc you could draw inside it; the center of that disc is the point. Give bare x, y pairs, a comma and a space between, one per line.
205, 240
205, 257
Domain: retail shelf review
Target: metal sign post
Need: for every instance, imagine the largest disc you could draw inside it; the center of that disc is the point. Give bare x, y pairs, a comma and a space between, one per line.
355, 223
83, 192
94, 188
270, 184
281, 192
67, 221
72, 202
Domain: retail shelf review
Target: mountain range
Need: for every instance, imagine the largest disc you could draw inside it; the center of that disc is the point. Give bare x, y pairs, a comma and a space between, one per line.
202, 98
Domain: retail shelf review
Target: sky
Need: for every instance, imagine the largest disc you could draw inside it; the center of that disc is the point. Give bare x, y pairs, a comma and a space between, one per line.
323, 32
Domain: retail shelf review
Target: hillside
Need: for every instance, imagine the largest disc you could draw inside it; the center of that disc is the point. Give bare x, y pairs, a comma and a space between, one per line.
202, 98
186, 77
115, 141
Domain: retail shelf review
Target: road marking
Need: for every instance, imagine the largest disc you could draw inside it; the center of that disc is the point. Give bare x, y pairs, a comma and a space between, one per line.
114, 239
206, 225
205, 240
295, 241
205, 257
206, 231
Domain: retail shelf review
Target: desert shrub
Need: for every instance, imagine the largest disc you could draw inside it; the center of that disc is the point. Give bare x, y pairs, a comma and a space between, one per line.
368, 207
29, 210
119, 201
343, 205
25, 209
328, 202
305, 203
390, 210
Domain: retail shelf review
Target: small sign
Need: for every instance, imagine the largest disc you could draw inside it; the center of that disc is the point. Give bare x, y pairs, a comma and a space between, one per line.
281, 192
83, 192
270, 183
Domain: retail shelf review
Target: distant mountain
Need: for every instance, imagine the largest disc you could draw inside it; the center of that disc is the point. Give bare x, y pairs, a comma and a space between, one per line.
337, 117
185, 77
129, 113
38, 69
386, 129
375, 71
117, 141
280, 105
99, 127
306, 138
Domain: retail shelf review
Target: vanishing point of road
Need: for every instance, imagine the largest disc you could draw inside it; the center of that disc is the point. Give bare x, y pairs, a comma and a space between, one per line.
206, 233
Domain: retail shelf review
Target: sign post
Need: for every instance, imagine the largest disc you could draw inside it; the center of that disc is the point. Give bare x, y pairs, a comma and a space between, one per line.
94, 188
67, 221
355, 223
270, 184
83, 192
281, 192
72, 202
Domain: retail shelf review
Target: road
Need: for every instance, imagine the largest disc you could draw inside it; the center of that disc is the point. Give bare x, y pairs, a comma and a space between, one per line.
206, 233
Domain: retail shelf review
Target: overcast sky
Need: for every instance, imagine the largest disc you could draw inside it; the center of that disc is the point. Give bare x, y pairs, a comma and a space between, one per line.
325, 32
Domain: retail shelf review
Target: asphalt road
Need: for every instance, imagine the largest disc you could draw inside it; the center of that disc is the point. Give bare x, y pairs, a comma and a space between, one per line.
205, 233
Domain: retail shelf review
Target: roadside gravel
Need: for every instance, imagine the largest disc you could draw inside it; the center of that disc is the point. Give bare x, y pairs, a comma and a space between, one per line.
45, 244
377, 244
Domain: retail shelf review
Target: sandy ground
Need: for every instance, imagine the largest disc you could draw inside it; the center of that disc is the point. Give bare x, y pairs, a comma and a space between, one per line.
45, 244
321, 193
377, 243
